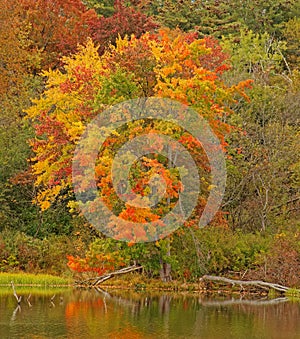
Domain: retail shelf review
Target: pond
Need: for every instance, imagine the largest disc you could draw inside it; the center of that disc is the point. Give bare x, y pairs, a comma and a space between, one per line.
100, 314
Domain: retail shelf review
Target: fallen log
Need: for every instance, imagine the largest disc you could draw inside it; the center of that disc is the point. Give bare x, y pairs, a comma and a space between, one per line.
256, 283
93, 282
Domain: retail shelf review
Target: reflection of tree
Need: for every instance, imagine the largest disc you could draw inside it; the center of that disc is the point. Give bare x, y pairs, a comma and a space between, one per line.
97, 313
133, 314
164, 304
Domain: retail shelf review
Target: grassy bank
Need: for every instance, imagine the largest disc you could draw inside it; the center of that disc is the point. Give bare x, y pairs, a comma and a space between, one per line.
26, 279
35, 290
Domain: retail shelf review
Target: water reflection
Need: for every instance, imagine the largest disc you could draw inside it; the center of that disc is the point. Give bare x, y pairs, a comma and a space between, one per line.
103, 314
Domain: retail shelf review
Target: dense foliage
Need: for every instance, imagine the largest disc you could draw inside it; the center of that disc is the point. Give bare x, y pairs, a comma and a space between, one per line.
237, 64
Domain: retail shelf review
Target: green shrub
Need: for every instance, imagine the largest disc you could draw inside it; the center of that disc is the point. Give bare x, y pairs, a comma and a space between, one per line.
20, 252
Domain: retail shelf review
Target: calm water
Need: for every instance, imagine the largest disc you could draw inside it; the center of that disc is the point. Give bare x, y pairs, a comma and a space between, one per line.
97, 314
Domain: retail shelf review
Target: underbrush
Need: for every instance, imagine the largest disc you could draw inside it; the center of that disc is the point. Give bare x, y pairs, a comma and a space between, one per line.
23, 253
191, 253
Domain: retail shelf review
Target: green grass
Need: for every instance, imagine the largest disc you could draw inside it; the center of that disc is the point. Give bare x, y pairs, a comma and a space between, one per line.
26, 279
293, 293
34, 290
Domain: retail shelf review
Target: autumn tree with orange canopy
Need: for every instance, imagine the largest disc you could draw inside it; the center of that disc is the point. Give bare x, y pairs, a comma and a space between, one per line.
169, 64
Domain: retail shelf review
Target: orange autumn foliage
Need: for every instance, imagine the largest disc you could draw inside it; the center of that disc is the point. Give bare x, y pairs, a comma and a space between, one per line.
167, 64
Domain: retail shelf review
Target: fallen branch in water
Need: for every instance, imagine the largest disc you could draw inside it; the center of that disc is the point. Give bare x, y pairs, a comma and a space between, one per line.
256, 283
19, 298
98, 280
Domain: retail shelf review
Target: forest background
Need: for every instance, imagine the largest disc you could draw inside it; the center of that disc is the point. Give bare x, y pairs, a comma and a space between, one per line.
51, 63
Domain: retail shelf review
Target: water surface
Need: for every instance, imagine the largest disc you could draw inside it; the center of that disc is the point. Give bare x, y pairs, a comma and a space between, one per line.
98, 314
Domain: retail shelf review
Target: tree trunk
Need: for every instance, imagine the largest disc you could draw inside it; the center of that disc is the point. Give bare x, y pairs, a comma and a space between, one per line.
165, 272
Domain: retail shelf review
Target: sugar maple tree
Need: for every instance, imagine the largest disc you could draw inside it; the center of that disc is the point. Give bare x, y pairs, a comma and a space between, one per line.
167, 64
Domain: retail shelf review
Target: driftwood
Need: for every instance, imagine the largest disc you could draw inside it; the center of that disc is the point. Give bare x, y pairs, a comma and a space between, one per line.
256, 283
19, 298
92, 282
28, 300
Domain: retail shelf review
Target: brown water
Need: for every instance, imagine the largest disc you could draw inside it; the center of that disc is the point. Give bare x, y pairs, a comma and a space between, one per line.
97, 314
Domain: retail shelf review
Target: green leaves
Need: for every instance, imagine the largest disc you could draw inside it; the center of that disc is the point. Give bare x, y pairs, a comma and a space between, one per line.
254, 53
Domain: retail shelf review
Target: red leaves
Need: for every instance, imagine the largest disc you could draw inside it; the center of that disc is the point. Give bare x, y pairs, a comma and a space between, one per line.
125, 21
80, 82
215, 60
57, 27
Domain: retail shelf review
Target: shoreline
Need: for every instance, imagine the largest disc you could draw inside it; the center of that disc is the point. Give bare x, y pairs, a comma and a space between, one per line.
138, 283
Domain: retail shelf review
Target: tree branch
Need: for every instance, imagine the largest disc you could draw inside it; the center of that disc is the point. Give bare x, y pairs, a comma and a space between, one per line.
257, 283
92, 282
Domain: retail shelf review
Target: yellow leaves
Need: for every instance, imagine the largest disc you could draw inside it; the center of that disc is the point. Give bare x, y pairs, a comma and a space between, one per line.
280, 235
197, 48
87, 55
167, 65
44, 204
121, 44
39, 170
73, 206
157, 50
167, 71
75, 130
55, 77
46, 197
